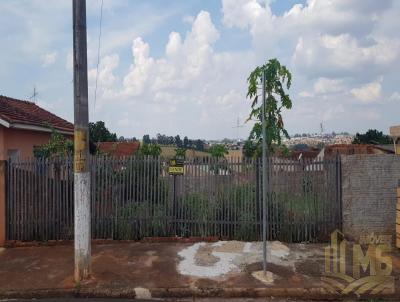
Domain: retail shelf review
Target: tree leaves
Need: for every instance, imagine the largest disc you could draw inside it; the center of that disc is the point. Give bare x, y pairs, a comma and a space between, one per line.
277, 77
372, 136
150, 150
218, 151
58, 146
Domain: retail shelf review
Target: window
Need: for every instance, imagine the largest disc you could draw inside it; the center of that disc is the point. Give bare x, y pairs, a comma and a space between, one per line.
13, 154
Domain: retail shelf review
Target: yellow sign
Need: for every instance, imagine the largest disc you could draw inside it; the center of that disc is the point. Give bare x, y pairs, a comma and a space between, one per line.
175, 170
80, 142
176, 166
370, 271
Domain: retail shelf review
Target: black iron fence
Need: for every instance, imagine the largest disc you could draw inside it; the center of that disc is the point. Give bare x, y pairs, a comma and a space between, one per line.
134, 197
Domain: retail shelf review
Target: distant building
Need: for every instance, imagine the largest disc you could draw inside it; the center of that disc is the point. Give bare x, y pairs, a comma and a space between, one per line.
304, 154
345, 149
118, 148
395, 134
24, 125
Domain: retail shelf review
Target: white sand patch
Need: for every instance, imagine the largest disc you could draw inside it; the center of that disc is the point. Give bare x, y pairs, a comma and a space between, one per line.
142, 293
247, 247
267, 278
189, 267
212, 260
218, 243
278, 249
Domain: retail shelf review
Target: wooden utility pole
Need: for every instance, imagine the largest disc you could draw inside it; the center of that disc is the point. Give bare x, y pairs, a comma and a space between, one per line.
81, 144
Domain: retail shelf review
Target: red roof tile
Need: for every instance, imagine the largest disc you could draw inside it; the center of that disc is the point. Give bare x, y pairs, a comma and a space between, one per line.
119, 148
16, 111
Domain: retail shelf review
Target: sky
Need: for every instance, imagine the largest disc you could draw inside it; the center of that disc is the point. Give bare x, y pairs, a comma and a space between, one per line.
180, 67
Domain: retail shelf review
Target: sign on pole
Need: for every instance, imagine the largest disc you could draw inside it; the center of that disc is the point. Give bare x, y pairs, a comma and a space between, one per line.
176, 166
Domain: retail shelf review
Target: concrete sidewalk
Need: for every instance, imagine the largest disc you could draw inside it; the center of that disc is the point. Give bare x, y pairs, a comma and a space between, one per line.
174, 270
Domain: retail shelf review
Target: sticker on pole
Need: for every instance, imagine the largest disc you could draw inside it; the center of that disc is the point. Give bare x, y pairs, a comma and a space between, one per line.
80, 141
176, 166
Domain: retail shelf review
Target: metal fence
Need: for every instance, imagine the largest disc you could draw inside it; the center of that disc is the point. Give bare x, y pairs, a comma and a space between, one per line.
134, 197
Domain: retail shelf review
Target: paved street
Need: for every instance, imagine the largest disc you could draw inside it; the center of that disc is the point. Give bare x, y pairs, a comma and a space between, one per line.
179, 300
169, 270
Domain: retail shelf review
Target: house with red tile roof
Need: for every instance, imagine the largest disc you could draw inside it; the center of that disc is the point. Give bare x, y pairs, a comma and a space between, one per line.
24, 125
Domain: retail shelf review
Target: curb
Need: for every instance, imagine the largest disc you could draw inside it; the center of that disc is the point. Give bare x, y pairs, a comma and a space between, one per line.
176, 239
188, 292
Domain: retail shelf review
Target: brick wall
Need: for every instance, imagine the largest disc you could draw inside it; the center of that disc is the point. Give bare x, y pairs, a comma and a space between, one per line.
369, 185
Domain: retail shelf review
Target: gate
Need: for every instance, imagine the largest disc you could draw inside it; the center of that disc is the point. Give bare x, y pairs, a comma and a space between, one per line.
134, 197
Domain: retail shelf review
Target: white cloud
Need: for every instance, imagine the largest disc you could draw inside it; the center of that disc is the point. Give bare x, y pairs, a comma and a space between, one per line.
136, 79
49, 58
229, 99
124, 122
190, 75
343, 55
107, 81
339, 32
336, 51
184, 62
325, 85
368, 114
106, 77
367, 93
245, 13
174, 44
69, 61
306, 94
331, 17
188, 19
332, 112
395, 96
328, 45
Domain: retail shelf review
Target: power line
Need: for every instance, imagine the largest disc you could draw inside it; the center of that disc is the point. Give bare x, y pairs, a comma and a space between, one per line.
98, 58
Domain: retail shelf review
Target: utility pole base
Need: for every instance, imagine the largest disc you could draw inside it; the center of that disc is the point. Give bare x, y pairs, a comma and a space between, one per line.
82, 225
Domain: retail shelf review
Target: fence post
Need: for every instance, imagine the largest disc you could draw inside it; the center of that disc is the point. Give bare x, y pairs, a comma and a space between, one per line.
3, 169
398, 215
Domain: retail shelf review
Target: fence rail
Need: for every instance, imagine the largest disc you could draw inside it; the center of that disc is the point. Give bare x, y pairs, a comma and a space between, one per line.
134, 197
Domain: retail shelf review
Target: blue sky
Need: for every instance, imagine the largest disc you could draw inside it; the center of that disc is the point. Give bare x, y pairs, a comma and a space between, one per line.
180, 67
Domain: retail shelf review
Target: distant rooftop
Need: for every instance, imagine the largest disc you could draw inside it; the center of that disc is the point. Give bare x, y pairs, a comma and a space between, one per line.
119, 148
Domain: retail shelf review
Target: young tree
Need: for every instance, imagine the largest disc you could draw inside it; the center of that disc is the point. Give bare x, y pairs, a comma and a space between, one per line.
150, 149
250, 149
180, 152
277, 79
57, 146
219, 163
218, 151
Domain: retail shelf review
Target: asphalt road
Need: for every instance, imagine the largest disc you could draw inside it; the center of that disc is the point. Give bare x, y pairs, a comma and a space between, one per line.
170, 300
